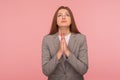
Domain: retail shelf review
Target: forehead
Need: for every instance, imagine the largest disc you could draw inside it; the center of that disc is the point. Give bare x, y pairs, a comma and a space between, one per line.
63, 11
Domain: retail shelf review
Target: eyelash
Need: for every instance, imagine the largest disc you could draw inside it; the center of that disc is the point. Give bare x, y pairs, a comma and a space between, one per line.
66, 15
59, 15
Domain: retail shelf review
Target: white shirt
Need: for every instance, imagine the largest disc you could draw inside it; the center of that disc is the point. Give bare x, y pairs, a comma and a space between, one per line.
67, 38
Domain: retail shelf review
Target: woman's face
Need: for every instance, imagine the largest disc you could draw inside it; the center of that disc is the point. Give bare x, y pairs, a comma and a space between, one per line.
63, 18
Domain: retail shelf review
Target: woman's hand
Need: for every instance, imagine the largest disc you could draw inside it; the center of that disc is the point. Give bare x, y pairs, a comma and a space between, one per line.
61, 50
65, 47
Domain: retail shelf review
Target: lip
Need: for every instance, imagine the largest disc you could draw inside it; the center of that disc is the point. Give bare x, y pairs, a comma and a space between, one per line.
63, 21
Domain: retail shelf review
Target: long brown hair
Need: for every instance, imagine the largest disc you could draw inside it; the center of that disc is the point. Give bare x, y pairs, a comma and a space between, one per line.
54, 26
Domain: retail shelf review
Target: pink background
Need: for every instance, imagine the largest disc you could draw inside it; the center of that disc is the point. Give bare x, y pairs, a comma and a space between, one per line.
23, 23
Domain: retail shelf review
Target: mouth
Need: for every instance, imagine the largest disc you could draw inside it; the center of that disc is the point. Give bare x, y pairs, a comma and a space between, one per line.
63, 21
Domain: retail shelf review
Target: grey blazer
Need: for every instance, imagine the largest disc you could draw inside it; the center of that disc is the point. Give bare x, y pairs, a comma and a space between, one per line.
71, 68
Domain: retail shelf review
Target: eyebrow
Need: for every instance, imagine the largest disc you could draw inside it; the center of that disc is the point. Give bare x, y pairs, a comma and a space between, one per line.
59, 13
65, 12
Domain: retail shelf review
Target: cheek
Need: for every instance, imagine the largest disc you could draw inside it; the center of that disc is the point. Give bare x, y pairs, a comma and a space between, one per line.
58, 21
69, 21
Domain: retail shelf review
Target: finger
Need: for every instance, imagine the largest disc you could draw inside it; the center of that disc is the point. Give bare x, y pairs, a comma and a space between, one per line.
64, 40
65, 43
62, 36
62, 45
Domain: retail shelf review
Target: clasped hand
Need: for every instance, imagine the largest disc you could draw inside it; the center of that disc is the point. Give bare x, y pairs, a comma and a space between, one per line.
63, 48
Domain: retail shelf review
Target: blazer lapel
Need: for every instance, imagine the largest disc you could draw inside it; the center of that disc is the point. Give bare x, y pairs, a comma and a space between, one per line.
72, 42
56, 41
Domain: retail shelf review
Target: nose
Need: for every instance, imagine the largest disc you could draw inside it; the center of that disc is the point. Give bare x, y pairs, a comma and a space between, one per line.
64, 16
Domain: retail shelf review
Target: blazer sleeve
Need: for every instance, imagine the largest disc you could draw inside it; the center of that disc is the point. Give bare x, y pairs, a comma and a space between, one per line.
48, 63
80, 63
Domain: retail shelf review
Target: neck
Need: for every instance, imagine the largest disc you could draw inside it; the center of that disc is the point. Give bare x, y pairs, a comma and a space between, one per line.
65, 31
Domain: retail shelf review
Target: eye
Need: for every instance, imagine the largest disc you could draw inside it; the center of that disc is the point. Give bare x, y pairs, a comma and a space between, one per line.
67, 14
59, 15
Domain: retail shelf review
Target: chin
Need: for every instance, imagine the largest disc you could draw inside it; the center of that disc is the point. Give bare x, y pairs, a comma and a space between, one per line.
63, 27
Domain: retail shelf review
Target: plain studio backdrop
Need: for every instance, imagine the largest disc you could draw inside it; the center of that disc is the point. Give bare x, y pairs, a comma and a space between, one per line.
23, 23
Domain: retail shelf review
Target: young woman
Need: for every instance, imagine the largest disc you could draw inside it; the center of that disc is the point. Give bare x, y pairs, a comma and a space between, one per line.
64, 49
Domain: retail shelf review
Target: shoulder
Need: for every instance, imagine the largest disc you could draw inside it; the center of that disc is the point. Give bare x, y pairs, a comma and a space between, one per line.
81, 39
80, 36
47, 37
